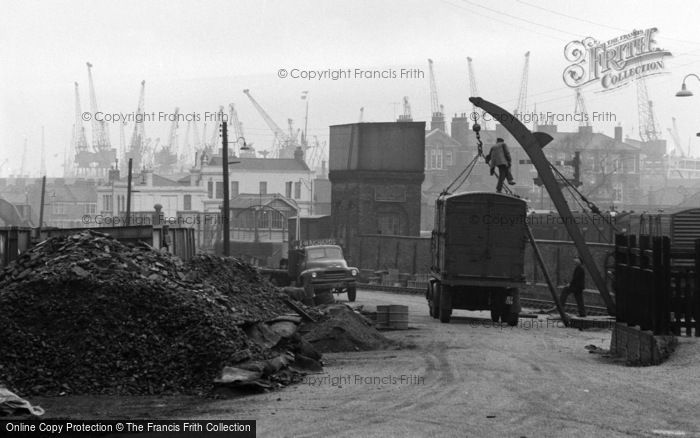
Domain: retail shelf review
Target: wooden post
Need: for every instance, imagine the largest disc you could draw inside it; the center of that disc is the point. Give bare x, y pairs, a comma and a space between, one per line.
127, 220
552, 289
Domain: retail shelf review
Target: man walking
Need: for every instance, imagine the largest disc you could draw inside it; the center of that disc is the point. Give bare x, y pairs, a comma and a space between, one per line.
499, 156
576, 286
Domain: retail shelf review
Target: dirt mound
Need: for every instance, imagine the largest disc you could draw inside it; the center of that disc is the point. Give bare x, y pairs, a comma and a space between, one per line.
342, 329
87, 314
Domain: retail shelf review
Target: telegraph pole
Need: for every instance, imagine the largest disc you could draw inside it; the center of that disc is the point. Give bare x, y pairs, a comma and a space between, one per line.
227, 210
43, 194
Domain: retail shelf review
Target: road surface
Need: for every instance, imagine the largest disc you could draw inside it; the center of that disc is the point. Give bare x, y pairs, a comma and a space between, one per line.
472, 379
468, 378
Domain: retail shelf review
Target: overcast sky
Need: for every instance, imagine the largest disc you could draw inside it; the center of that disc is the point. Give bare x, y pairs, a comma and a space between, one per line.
199, 55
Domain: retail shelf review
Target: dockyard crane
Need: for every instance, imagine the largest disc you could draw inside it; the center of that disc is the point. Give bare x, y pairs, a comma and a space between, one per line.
580, 108
435, 107
521, 106
406, 116
645, 108
79, 143
678, 149
100, 129
137, 147
282, 139
236, 127
172, 137
474, 90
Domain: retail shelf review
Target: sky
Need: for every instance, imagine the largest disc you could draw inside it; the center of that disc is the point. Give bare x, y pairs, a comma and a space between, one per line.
199, 55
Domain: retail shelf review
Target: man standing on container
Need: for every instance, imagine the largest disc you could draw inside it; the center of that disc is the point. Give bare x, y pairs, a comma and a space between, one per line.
499, 156
576, 286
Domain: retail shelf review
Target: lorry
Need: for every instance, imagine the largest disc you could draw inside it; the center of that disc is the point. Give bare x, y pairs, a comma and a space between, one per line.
317, 266
478, 255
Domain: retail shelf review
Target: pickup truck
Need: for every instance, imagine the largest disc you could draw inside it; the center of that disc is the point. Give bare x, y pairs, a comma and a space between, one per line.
316, 267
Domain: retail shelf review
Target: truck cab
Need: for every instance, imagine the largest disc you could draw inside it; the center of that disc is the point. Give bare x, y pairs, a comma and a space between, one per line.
318, 266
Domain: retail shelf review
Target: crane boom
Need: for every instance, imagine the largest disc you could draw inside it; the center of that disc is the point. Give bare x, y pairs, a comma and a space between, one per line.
279, 132
678, 149
522, 96
79, 139
100, 129
645, 108
435, 107
474, 90
533, 144
137, 147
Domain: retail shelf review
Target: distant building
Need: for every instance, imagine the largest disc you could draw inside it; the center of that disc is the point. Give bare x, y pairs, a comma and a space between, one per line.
149, 189
66, 201
611, 168
287, 177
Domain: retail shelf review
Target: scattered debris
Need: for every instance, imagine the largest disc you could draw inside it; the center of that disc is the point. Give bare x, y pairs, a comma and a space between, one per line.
11, 405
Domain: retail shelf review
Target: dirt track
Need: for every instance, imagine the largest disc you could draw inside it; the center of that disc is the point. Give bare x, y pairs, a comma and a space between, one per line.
467, 378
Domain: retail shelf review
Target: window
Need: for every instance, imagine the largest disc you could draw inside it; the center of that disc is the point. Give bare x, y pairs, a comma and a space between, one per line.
106, 201
435, 159
188, 202
448, 158
328, 252
234, 188
210, 189
219, 190
297, 190
617, 192
288, 189
89, 208
388, 224
263, 187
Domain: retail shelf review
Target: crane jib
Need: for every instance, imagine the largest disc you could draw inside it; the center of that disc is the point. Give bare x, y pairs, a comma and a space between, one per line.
532, 144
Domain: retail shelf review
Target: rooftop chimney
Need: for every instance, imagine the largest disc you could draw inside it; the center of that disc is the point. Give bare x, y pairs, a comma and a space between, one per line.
460, 129
147, 177
299, 154
618, 133
113, 175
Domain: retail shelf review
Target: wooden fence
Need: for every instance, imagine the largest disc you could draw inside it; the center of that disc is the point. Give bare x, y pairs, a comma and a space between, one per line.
655, 289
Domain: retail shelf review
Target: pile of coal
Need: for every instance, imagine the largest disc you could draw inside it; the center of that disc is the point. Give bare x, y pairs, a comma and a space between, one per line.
343, 329
86, 314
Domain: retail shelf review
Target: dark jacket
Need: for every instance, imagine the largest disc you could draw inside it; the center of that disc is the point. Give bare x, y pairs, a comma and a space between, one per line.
578, 280
499, 155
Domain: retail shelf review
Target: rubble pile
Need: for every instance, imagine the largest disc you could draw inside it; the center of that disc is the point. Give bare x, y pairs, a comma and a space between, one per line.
343, 329
86, 314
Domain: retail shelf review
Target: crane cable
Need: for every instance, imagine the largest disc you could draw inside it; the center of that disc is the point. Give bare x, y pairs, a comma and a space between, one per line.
594, 208
466, 172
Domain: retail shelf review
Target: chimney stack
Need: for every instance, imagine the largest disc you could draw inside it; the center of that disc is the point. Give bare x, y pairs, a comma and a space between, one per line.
299, 154
618, 133
460, 129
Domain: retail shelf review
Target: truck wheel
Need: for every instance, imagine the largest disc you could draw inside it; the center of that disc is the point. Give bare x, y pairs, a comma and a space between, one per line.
429, 298
445, 304
495, 313
352, 293
436, 300
512, 319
